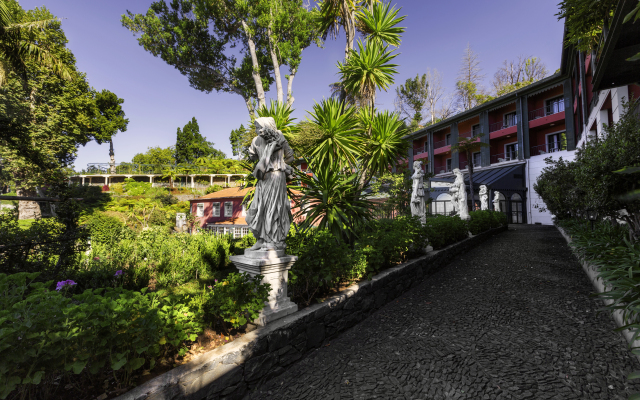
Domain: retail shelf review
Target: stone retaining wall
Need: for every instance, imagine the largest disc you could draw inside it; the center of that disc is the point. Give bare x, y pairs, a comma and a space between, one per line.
598, 284
228, 372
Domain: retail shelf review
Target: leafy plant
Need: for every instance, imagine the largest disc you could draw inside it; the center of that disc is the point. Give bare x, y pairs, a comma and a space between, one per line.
443, 231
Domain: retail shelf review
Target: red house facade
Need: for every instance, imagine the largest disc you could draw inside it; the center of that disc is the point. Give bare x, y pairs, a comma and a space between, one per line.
223, 211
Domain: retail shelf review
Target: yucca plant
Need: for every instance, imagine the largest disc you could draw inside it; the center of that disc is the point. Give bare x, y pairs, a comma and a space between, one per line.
384, 144
331, 201
281, 113
341, 143
368, 70
380, 23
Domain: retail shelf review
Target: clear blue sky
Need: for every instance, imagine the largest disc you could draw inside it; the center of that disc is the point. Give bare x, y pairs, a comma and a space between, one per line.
158, 98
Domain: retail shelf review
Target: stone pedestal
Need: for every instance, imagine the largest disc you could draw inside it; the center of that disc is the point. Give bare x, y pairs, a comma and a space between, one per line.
274, 266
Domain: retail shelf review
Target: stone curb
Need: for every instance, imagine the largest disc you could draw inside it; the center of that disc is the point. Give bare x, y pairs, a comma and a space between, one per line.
598, 284
232, 370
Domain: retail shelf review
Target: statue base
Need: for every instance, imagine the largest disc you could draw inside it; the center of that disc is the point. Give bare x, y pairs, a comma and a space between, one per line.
274, 266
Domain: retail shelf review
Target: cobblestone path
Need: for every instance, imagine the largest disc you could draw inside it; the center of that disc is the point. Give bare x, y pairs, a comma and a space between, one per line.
511, 319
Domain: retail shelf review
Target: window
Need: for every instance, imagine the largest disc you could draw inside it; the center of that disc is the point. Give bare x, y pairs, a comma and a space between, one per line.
448, 165
511, 151
475, 130
554, 105
477, 159
426, 146
447, 139
228, 209
237, 232
510, 119
555, 142
200, 210
215, 209
245, 232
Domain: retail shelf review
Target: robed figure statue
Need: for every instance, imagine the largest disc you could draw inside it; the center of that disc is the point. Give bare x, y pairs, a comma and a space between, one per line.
417, 192
269, 216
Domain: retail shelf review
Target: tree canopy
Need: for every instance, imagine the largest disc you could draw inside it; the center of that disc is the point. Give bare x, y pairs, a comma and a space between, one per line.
156, 155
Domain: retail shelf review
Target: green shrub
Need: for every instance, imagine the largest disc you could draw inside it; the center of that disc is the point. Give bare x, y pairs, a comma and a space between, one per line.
323, 263
386, 242
480, 221
239, 245
213, 189
499, 219
134, 188
43, 331
104, 229
237, 299
443, 231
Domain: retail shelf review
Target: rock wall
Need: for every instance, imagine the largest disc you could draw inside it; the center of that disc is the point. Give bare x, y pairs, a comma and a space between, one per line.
232, 370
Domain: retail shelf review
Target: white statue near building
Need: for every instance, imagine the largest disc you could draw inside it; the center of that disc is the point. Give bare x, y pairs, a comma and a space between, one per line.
458, 193
496, 201
417, 194
484, 197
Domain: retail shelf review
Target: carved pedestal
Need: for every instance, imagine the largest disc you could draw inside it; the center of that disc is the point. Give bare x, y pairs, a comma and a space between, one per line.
274, 266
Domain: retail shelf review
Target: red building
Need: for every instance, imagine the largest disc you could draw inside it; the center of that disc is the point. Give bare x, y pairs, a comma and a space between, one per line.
224, 211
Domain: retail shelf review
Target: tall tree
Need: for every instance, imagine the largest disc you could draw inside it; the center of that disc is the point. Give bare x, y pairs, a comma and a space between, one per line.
156, 155
191, 145
435, 93
240, 138
18, 43
47, 118
196, 37
411, 99
514, 74
468, 85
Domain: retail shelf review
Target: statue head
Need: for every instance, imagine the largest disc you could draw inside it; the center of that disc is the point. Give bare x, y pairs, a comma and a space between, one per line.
483, 189
496, 196
417, 165
266, 127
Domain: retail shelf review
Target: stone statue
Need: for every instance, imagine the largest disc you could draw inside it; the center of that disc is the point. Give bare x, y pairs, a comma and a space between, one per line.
417, 194
459, 192
269, 216
484, 197
496, 201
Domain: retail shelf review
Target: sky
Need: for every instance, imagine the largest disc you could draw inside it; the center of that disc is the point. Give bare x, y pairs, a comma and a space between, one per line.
158, 99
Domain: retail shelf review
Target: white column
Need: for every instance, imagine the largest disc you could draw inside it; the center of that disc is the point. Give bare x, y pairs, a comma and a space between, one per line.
618, 96
210, 180
602, 118
83, 181
106, 180
192, 184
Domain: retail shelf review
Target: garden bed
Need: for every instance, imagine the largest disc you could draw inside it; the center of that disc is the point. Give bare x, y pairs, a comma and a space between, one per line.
233, 369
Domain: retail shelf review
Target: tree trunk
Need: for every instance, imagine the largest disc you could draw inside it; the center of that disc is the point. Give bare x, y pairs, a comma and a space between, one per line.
290, 98
28, 209
470, 167
276, 67
256, 67
249, 104
349, 29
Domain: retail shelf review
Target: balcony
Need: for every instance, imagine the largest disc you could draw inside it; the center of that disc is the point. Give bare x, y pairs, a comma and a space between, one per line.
547, 148
465, 164
508, 123
550, 109
443, 170
504, 157
418, 151
440, 144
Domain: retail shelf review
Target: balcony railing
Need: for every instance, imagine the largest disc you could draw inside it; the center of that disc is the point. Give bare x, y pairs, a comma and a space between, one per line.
465, 134
465, 164
442, 170
419, 151
504, 157
550, 109
496, 126
548, 148
440, 143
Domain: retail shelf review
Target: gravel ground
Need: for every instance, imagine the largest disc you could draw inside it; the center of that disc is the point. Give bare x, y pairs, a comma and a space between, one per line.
511, 319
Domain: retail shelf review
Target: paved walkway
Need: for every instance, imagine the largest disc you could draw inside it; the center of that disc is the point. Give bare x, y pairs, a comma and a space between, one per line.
512, 319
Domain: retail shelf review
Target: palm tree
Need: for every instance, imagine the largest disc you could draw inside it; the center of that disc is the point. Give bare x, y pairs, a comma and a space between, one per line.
379, 24
384, 144
18, 44
171, 173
